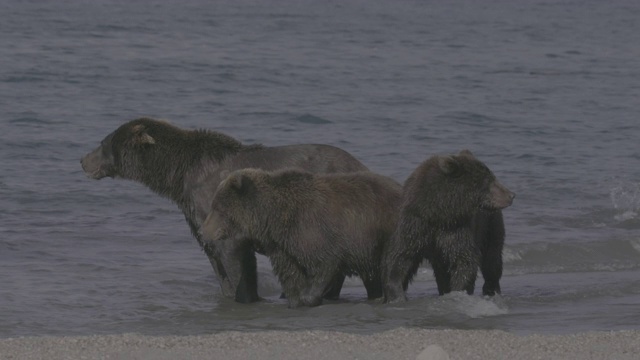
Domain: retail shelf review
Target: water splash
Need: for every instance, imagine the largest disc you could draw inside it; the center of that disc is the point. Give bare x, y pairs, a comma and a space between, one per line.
511, 255
626, 199
472, 306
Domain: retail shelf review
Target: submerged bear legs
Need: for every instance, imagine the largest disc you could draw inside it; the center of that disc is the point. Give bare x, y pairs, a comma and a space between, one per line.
333, 290
492, 243
236, 267
455, 258
225, 285
459, 276
443, 278
247, 288
318, 284
305, 285
396, 276
372, 280
403, 255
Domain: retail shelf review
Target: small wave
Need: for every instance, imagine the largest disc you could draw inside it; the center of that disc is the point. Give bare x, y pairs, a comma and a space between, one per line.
33, 121
312, 119
24, 78
28, 120
471, 118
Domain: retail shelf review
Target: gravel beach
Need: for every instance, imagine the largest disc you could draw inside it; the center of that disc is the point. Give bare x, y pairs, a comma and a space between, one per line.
395, 344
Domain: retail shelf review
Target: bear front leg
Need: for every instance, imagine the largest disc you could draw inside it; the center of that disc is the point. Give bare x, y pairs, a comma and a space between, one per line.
313, 292
321, 281
463, 276
402, 256
399, 267
455, 260
231, 257
291, 276
373, 283
463, 266
491, 261
442, 275
225, 285
395, 280
247, 288
239, 264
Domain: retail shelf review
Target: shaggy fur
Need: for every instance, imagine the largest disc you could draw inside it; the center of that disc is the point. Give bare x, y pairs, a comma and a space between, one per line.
312, 227
450, 215
186, 166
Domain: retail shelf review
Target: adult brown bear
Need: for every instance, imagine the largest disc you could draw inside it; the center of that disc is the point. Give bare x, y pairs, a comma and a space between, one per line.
313, 228
451, 215
186, 166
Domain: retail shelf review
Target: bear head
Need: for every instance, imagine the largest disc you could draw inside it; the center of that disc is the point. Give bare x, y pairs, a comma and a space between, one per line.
117, 154
250, 202
235, 206
458, 184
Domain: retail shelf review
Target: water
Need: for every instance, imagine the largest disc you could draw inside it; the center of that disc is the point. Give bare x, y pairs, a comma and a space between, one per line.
544, 92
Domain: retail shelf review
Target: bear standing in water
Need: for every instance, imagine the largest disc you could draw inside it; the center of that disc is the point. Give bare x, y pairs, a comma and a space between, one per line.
186, 166
313, 228
451, 215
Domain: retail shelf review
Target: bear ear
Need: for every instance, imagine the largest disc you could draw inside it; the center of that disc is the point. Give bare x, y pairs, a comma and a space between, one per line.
448, 165
466, 153
140, 135
240, 183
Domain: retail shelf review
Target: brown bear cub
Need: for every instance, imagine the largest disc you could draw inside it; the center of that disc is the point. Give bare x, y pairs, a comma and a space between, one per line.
451, 215
312, 227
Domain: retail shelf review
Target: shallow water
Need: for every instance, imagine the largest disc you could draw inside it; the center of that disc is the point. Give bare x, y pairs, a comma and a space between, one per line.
545, 93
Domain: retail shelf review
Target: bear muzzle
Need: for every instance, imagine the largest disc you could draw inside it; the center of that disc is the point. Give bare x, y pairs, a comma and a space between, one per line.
93, 165
499, 196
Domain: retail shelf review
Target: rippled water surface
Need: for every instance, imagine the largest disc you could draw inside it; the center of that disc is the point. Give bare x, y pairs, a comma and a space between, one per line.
544, 92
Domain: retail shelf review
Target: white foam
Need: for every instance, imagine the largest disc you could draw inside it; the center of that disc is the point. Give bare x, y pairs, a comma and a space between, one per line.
626, 196
627, 215
509, 255
476, 306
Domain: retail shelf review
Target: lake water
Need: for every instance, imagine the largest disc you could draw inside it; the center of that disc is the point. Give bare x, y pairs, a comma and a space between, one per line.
546, 93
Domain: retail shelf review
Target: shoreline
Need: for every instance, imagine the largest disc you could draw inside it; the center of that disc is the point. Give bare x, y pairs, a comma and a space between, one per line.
401, 343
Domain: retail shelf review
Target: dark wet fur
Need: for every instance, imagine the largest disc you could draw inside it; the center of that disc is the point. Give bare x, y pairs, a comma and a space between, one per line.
451, 215
313, 228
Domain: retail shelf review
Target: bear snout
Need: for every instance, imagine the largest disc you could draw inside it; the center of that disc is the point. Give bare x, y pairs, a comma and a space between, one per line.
500, 196
92, 164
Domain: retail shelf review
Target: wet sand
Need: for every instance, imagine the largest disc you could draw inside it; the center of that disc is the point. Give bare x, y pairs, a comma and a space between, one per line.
394, 344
